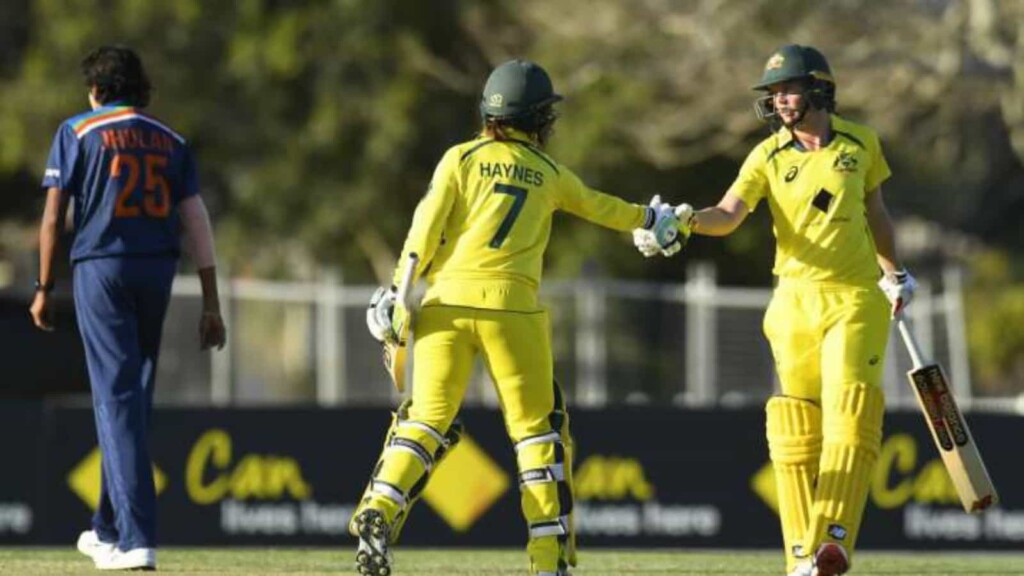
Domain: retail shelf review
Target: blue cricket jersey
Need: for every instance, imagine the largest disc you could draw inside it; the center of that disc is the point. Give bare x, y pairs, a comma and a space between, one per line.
127, 173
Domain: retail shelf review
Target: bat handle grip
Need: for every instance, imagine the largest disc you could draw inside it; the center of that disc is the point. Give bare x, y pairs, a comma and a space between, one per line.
916, 357
405, 287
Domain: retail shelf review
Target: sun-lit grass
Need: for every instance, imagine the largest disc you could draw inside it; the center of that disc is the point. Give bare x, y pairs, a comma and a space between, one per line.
433, 562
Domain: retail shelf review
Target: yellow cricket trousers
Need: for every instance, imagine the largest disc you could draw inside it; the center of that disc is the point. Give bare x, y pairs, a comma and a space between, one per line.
516, 350
824, 430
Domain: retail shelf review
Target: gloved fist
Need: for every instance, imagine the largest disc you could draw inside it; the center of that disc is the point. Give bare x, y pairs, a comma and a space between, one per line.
665, 227
380, 312
685, 213
899, 288
645, 242
668, 232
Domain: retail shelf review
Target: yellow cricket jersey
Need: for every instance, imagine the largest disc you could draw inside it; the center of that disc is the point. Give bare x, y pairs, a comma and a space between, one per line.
817, 201
482, 228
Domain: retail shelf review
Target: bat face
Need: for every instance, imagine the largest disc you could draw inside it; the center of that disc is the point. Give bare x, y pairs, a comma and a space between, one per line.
395, 352
394, 360
953, 438
945, 419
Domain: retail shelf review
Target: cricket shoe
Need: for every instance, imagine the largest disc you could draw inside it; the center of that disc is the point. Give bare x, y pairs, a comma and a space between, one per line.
89, 543
805, 568
831, 560
134, 559
373, 557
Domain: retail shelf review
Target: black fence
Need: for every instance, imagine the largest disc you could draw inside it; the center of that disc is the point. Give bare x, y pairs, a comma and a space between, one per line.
644, 477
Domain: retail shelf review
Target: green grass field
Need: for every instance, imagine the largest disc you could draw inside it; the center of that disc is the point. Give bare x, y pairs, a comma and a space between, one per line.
31, 561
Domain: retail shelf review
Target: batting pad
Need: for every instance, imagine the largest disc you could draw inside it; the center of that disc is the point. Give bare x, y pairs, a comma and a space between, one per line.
852, 421
411, 451
451, 438
794, 443
560, 421
546, 501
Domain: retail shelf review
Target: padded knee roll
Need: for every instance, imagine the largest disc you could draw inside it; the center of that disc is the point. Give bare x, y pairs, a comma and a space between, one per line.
852, 438
793, 429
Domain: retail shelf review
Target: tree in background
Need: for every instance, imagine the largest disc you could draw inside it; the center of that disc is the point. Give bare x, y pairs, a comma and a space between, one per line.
317, 123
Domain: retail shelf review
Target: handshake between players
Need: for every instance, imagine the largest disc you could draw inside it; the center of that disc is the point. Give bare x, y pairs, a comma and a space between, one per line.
670, 231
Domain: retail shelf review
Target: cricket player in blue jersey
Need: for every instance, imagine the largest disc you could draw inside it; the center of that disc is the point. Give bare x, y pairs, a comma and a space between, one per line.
134, 185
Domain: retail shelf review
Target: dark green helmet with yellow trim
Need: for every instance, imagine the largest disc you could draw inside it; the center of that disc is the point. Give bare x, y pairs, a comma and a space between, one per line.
794, 62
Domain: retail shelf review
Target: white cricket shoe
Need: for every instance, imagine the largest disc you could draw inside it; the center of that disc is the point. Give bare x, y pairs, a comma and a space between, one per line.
373, 557
89, 543
805, 568
134, 559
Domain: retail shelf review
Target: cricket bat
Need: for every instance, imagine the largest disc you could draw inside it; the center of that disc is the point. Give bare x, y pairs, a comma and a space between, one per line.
396, 350
949, 429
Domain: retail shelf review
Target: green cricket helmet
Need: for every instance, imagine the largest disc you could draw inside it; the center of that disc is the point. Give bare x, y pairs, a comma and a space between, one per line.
517, 90
795, 62
801, 63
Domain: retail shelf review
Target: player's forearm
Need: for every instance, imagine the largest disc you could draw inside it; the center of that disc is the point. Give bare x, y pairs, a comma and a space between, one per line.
885, 248
714, 221
424, 236
607, 210
49, 234
423, 239
211, 296
883, 233
199, 236
198, 232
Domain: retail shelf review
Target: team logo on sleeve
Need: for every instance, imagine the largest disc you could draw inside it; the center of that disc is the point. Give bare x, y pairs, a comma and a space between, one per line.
52, 173
845, 162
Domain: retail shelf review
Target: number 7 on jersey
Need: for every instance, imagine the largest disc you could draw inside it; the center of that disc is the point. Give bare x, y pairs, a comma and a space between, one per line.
519, 198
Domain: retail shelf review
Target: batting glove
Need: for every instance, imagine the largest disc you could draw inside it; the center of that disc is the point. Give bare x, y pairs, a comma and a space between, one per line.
380, 312
666, 225
645, 242
899, 288
685, 214
669, 231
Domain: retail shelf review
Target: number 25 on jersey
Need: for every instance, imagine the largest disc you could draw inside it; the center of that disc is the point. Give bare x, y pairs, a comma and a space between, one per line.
156, 192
